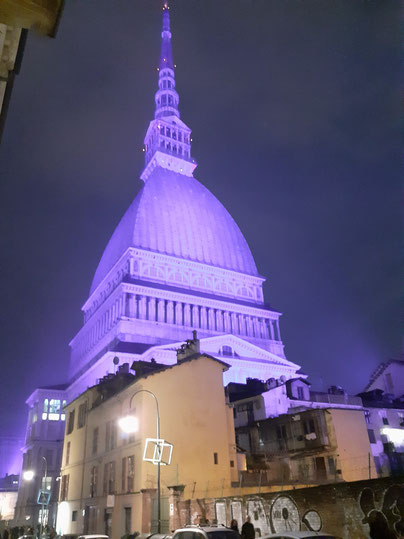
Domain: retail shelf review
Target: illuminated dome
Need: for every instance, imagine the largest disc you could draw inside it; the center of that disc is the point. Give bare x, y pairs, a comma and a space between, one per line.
176, 215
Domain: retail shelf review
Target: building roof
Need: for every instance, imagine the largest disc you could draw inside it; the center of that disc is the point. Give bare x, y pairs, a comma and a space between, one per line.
380, 370
176, 215
112, 384
59, 387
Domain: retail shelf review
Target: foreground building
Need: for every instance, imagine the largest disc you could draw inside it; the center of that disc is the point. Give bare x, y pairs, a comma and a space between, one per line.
177, 261
385, 422
42, 454
105, 484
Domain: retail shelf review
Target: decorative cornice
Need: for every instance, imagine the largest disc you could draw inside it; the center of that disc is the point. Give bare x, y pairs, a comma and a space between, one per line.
169, 162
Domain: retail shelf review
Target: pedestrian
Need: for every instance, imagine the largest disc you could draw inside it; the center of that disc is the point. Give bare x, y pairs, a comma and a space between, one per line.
234, 525
247, 530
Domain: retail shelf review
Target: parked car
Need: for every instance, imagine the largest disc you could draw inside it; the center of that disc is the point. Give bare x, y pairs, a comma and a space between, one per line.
205, 532
300, 535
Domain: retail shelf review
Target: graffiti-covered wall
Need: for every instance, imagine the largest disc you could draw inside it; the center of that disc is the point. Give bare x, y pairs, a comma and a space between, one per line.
347, 510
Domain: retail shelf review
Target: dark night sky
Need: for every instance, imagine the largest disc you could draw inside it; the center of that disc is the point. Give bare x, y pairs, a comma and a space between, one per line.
295, 111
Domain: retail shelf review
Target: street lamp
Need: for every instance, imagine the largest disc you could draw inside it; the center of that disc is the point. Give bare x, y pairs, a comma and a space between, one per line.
28, 475
43, 497
130, 424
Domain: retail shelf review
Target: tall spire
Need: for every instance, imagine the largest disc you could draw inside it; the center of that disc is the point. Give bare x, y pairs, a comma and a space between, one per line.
167, 143
166, 96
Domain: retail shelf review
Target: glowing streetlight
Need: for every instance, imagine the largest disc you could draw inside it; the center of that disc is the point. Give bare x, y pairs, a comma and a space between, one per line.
28, 475
130, 424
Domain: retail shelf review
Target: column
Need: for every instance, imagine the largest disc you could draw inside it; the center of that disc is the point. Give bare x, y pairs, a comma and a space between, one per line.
204, 318
195, 316
234, 324
142, 307
226, 319
278, 331
211, 319
131, 306
170, 312
187, 315
161, 308
152, 309
256, 325
250, 326
219, 320
243, 325
179, 319
263, 328
271, 329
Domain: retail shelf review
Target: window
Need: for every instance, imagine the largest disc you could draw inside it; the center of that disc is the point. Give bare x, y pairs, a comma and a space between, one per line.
367, 416
113, 435
107, 435
67, 454
111, 478
281, 432
227, 351
128, 520
81, 420
54, 410
70, 423
371, 434
383, 416
300, 393
93, 481
215, 458
331, 465
401, 418
64, 488
308, 426
95, 440
123, 485
105, 481
62, 415
232, 464
47, 483
131, 473
234, 412
389, 383
74, 516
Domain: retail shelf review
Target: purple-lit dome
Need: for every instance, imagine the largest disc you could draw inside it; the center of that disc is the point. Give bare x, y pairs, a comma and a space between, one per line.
176, 215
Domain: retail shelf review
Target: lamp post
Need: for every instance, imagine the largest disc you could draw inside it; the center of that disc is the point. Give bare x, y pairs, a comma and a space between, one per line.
44, 477
128, 424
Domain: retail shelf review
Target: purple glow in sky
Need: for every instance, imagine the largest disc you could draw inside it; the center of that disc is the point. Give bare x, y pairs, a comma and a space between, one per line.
295, 113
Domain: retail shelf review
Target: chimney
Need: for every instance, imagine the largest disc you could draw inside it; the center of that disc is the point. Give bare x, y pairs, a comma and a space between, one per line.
189, 348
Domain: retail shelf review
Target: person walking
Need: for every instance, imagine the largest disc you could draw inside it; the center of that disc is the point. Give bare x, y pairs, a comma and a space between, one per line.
247, 530
234, 525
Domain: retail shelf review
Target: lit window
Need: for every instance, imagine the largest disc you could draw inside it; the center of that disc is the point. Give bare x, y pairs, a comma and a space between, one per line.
45, 406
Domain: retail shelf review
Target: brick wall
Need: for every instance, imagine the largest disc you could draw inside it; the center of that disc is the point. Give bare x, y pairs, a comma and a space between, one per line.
343, 509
